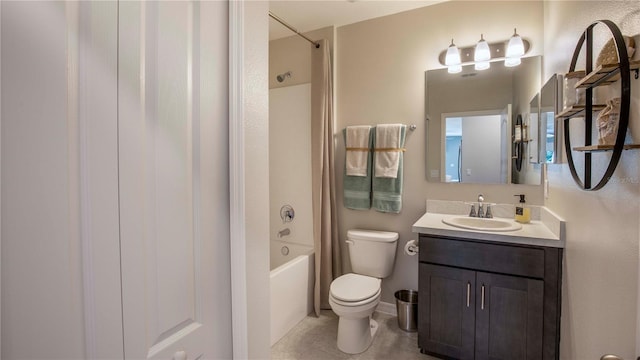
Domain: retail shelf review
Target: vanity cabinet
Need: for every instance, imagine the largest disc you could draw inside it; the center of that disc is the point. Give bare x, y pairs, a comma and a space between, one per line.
488, 300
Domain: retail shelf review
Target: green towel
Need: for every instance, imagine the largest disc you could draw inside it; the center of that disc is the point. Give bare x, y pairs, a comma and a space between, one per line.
387, 192
357, 189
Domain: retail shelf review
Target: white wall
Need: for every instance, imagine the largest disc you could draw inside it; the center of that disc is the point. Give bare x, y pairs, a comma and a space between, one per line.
250, 179
289, 162
600, 282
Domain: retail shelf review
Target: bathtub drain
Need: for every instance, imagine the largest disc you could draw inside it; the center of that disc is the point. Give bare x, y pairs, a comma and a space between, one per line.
284, 250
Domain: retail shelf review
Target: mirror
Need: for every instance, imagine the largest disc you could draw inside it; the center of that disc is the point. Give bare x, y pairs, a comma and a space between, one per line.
550, 95
533, 132
459, 110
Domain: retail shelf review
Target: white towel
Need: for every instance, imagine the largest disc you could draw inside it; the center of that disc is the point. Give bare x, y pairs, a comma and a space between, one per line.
357, 144
387, 157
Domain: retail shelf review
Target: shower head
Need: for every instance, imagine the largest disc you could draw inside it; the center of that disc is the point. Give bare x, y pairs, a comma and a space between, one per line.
282, 77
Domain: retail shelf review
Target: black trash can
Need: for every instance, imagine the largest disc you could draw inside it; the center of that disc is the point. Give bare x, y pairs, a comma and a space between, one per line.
407, 306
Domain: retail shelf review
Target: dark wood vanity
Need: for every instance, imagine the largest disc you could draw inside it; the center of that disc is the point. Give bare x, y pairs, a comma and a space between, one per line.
482, 299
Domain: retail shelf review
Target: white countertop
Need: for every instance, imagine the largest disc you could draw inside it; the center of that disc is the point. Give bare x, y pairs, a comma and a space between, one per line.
533, 233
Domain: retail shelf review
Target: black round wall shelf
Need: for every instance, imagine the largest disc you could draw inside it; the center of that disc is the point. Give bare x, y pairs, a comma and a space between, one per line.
602, 75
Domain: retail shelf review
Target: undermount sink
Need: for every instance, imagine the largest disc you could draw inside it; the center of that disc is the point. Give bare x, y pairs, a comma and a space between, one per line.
482, 224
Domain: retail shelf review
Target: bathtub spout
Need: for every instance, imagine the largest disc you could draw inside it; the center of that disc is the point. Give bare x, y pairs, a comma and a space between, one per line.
284, 232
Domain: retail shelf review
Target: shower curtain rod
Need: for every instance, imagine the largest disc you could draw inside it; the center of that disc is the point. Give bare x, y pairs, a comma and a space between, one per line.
276, 18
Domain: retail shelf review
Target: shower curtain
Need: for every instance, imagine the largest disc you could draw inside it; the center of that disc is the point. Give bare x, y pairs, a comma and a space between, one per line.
325, 232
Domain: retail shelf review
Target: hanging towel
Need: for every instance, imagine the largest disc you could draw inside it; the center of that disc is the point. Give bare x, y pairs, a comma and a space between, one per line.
357, 189
388, 150
387, 191
358, 147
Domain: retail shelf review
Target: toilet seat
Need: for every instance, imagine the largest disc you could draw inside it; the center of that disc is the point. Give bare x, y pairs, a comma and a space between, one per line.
353, 304
354, 289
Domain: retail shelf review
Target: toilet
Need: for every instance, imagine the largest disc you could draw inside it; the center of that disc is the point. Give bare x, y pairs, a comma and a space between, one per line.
354, 297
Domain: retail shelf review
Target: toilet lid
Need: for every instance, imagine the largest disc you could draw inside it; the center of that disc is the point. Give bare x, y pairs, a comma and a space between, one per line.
354, 287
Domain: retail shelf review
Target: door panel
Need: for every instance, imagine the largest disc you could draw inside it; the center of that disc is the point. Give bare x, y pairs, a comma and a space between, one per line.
509, 317
446, 323
165, 131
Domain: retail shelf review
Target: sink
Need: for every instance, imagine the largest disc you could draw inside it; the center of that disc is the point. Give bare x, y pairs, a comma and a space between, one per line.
482, 224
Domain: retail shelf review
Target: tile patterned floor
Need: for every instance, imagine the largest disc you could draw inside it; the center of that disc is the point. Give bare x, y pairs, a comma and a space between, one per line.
315, 338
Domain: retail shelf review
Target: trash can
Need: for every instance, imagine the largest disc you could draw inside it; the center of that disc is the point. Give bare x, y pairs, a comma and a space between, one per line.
407, 306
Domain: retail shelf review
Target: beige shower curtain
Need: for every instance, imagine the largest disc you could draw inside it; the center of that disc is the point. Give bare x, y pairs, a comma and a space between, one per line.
325, 232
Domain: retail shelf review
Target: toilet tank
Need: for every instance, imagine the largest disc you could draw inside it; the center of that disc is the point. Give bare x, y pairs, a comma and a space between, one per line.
372, 252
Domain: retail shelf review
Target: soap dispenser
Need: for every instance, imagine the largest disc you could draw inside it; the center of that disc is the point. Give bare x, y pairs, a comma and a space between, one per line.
523, 213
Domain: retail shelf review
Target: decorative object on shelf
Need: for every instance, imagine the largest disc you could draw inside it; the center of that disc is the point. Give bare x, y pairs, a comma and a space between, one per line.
518, 144
609, 54
608, 122
510, 51
571, 95
517, 137
597, 76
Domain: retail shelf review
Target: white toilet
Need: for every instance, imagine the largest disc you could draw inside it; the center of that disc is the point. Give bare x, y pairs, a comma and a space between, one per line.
354, 297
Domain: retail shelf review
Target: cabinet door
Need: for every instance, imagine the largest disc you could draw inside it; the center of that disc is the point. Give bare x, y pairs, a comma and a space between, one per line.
508, 317
446, 311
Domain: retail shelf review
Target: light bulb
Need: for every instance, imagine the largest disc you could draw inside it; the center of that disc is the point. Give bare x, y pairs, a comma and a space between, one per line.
482, 52
515, 48
482, 65
454, 69
511, 62
453, 55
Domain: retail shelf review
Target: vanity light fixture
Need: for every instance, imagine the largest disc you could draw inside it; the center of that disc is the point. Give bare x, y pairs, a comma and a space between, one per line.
483, 53
452, 59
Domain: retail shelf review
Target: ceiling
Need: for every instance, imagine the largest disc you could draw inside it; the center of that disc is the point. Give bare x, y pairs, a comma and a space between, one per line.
307, 15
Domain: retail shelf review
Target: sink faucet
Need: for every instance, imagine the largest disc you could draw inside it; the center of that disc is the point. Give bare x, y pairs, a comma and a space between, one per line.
480, 206
482, 211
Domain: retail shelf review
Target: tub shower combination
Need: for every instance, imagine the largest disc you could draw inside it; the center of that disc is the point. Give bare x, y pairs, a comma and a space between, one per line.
292, 277
291, 254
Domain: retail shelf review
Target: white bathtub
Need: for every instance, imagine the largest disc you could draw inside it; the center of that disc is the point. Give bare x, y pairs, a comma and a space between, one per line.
292, 278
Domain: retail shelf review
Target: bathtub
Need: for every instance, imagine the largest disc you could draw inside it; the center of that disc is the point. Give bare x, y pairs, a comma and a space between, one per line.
292, 279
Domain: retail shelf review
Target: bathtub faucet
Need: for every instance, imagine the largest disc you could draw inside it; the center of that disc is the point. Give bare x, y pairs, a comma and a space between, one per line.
284, 232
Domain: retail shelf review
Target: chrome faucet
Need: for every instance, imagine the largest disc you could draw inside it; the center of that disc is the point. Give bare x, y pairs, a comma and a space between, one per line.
480, 206
482, 211
284, 232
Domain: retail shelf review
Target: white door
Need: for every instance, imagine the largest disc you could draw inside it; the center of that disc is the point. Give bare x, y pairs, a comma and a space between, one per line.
173, 179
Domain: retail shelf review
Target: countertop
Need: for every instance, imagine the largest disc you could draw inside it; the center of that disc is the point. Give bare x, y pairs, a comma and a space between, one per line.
533, 233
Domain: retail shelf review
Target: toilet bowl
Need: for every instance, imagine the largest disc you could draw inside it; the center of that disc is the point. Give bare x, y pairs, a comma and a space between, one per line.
355, 296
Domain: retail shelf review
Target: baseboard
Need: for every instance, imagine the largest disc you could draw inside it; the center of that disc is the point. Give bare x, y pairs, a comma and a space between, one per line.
387, 308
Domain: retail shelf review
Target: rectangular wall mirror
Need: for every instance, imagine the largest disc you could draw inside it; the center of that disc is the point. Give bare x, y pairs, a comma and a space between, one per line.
551, 128
533, 131
470, 119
